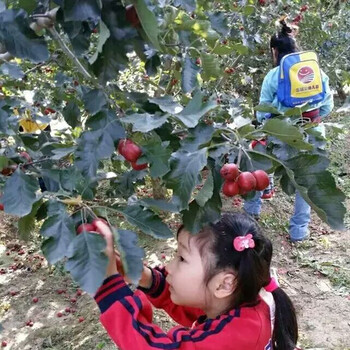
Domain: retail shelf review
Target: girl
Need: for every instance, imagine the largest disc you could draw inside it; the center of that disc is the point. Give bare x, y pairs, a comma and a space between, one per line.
218, 287
282, 44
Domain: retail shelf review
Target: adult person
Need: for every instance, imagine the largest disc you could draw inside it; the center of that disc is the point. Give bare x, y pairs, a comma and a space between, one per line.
282, 44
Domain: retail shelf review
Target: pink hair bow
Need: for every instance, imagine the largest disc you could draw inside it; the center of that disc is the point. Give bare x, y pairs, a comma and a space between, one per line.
243, 242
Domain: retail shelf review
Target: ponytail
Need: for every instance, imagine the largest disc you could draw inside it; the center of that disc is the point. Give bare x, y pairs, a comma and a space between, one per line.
283, 41
285, 333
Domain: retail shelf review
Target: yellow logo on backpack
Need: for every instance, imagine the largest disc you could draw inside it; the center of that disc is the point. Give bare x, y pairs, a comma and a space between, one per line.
300, 79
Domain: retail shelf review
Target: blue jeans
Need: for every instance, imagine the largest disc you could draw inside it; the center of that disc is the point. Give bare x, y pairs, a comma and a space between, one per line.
298, 224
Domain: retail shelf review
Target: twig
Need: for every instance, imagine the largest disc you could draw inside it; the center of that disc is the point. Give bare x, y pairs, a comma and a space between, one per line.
69, 53
240, 152
35, 67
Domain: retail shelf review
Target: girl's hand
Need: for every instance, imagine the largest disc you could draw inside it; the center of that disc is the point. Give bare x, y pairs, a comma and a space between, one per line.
115, 264
106, 232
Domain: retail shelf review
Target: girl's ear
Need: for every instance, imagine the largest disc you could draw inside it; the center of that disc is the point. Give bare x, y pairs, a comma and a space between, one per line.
224, 284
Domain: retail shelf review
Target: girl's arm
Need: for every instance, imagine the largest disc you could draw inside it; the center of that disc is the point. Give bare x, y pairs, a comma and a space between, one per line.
158, 294
127, 317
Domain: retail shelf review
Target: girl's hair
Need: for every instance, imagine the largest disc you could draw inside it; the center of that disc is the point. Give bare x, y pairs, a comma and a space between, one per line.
283, 41
252, 269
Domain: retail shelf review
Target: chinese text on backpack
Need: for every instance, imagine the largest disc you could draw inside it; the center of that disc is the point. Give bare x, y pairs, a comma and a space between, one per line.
300, 79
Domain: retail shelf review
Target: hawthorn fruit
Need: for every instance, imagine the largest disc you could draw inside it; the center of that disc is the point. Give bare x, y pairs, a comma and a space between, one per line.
229, 172
86, 227
49, 110
198, 61
129, 150
3, 343
131, 16
26, 156
35, 300
230, 188
246, 182
139, 166
262, 179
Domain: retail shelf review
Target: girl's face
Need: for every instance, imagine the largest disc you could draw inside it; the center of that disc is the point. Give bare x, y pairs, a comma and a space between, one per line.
186, 274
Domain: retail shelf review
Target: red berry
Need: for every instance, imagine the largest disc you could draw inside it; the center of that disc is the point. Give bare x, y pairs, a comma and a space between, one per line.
230, 188
60, 291
67, 309
139, 166
73, 300
2, 272
304, 8
229, 70
262, 180
246, 182
86, 228
241, 28
21, 252
198, 61
35, 300
73, 311
81, 319
79, 293
173, 82
229, 172
13, 293
224, 42
3, 343
8, 253
59, 314
129, 150
30, 323
163, 256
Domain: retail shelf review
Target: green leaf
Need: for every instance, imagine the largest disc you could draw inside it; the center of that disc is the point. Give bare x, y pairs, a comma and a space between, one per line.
81, 10
188, 5
149, 22
211, 66
131, 254
147, 221
195, 110
219, 23
94, 101
60, 231
28, 5
26, 224
98, 144
248, 10
87, 261
19, 194
267, 109
157, 154
206, 192
19, 40
240, 48
145, 122
185, 173
161, 204
318, 188
189, 74
71, 114
197, 137
196, 217
4, 162
167, 104
286, 132
296, 111
12, 69
104, 35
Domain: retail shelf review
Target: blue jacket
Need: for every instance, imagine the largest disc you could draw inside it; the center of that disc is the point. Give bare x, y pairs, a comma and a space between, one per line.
268, 95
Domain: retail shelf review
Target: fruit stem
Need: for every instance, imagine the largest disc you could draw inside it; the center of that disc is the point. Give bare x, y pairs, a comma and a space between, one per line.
240, 152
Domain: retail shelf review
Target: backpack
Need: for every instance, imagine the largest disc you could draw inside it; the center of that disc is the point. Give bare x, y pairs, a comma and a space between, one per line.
300, 79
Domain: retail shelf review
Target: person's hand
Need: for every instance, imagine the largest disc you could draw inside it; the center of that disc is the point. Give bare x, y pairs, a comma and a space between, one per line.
115, 264
106, 232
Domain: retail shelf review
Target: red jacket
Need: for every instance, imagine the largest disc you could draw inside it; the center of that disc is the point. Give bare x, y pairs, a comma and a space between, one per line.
127, 317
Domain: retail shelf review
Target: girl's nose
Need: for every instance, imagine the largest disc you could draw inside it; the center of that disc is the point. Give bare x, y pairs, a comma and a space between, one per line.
168, 267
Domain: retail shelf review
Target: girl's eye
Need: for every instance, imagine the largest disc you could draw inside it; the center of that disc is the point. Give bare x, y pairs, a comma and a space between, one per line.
181, 258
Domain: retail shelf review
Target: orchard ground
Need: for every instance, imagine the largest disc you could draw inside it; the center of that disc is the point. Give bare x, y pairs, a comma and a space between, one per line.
315, 273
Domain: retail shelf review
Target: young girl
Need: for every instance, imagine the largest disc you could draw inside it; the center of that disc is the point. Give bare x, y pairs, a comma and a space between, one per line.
218, 287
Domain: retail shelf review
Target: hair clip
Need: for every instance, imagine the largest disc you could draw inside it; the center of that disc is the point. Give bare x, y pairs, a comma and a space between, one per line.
243, 242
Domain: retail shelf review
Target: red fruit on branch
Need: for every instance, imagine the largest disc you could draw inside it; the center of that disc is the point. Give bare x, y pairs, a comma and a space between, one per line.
246, 182
241, 28
131, 16
129, 150
139, 166
26, 156
262, 179
173, 82
86, 227
9, 170
198, 61
304, 8
297, 19
229, 172
230, 188
229, 70
49, 110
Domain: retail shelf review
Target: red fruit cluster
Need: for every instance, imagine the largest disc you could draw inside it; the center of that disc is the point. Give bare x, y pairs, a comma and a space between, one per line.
90, 227
131, 152
244, 182
304, 8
